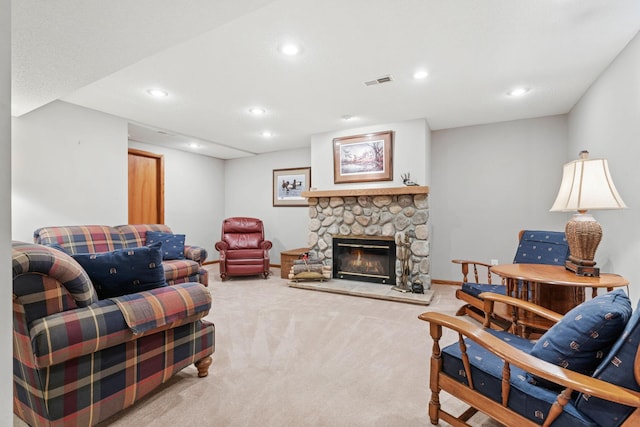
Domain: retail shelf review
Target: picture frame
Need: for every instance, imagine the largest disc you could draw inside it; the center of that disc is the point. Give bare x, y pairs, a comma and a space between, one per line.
288, 185
363, 158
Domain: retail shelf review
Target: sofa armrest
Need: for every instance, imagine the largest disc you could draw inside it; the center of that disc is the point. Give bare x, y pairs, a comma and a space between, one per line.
195, 253
73, 333
266, 245
149, 310
571, 380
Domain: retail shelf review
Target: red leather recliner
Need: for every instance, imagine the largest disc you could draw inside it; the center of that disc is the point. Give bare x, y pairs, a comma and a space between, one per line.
243, 249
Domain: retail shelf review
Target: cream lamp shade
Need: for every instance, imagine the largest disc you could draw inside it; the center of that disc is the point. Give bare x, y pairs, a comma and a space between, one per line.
586, 185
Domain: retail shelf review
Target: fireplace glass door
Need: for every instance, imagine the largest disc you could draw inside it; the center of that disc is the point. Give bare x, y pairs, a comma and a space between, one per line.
364, 259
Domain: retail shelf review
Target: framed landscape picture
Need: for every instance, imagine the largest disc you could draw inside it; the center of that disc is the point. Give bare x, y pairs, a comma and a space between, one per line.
363, 158
288, 185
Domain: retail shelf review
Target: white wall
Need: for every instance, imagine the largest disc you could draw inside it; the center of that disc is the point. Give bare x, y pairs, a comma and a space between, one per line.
6, 354
489, 182
69, 166
606, 122
193, 195
411, 146
249, 192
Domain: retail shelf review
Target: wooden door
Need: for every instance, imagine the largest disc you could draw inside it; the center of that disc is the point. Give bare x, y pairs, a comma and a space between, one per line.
146, 187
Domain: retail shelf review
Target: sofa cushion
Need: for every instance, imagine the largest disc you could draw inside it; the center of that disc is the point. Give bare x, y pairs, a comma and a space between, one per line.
585, 334
172, 244
124, 271
78, 239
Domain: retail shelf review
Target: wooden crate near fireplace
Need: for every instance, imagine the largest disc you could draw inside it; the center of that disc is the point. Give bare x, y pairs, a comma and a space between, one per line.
287, 258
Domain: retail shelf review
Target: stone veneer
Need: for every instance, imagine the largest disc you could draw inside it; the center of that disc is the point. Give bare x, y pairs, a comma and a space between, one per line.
373, 215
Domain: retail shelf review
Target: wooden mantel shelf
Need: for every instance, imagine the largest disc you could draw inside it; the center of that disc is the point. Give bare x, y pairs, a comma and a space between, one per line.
354, 192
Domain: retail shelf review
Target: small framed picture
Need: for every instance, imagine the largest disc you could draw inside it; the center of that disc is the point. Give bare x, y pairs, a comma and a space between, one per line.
288, 185
363, 158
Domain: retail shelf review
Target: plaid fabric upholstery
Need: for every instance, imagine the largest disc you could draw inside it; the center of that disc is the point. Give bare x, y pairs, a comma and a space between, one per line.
102, 238
175, 269
81, 239
47, 281
135, 235
87, 390
76, 362
74, 333
162, 306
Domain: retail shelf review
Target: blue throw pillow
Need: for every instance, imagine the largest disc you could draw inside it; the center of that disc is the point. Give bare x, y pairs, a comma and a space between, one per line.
172, 244
585, 334
124, 271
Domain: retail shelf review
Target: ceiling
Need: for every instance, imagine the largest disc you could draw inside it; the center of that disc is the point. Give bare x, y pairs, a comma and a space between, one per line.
217, 59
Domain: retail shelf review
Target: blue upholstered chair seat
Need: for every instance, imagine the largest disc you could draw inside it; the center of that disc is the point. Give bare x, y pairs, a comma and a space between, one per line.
526, 399
475, 289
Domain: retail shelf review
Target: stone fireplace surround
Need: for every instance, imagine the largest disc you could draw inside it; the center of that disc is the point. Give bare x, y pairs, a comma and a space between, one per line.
392, 211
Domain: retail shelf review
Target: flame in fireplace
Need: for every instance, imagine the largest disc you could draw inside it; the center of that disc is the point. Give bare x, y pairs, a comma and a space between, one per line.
358, 262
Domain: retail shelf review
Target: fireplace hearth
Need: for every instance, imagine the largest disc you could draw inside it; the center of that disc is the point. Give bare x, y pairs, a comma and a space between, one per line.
368, 259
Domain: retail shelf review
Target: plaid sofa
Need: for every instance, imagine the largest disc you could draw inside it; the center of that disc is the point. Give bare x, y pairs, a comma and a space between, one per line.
103, 238
78, 360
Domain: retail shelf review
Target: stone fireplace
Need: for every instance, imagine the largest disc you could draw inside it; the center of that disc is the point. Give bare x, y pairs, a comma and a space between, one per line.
395, 213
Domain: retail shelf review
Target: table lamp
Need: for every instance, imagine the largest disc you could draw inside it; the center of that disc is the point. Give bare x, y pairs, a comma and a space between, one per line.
586, 185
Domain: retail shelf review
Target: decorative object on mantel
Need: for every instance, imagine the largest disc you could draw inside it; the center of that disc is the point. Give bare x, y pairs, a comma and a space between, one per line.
586, 185
308, 268
288, 185
404, 255
406, 179
363, 158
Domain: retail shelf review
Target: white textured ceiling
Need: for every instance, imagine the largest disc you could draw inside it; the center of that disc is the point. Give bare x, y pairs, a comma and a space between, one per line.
219, 58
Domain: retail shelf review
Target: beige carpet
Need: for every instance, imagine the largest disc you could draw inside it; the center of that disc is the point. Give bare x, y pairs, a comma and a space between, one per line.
294, 357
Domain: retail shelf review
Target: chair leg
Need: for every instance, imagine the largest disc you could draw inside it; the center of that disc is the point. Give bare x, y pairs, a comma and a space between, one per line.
203, 366
223, 276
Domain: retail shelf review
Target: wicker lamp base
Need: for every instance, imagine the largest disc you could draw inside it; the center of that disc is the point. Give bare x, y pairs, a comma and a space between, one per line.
583, 235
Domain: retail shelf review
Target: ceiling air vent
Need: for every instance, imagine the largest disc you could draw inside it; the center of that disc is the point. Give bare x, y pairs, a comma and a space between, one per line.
379, 80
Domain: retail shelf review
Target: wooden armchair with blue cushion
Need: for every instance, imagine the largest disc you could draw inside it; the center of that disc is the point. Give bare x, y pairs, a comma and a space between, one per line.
534, 247
584, 371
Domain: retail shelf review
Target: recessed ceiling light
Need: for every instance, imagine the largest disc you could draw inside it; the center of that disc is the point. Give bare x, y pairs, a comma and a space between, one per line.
518, 91
422, 74
158, 93
193, 145
290, 49
257, 111
267, 134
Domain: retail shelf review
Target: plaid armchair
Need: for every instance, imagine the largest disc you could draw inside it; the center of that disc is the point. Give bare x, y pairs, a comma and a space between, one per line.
78, 360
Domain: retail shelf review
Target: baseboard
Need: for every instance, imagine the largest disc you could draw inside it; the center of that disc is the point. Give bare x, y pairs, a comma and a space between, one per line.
445, 282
